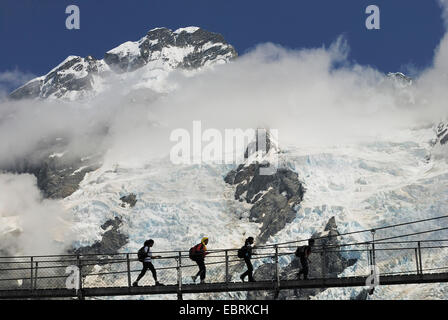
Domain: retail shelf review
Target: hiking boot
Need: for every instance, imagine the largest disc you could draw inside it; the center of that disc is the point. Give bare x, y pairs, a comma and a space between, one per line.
202, 281
135, 284
193, 278
242, 278
159, 284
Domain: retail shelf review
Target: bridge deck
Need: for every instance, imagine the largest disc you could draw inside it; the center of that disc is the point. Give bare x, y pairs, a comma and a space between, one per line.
223, 287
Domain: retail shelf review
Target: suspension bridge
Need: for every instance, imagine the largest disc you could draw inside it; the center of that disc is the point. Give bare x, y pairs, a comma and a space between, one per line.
387, 260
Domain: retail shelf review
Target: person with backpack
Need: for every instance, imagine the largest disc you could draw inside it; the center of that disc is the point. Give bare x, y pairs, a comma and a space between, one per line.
197, 254
246, 253
303, 252
145, 256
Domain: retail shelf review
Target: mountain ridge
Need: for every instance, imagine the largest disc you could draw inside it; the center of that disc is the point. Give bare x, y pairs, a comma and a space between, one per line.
159, 52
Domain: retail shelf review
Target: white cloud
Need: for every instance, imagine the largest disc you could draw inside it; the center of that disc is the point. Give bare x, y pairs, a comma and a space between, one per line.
36, 225
444, 5
312, 96
11, 80
432, 82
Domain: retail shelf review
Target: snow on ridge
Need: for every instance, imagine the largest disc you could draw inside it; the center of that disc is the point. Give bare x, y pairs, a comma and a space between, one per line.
211, 44
126, 48
150, 53
397, 74
400, 79
69, 58
39, 78
158, 28
32, 80
190, 29
177, 54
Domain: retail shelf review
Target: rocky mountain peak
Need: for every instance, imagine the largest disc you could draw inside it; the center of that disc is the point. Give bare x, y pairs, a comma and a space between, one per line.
275, 197
161, 50
331, 224
400, 79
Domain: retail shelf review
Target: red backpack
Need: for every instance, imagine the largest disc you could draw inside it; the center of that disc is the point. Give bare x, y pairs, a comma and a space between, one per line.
194, 252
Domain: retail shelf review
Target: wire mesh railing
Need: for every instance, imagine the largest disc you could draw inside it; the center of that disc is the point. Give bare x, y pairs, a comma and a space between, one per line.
176, 268
331, 259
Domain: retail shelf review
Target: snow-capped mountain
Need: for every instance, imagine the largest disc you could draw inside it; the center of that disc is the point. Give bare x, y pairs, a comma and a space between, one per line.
400, 79
141, 64
316, 189
153, 57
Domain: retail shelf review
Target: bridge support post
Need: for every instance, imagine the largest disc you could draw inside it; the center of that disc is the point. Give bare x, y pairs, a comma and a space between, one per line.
324, 261
80, 295
420, 257
35, 275
416, 261
128, 264
227, 266
373, 266
179, 276
31, 274
368, 254
277, 274
373, 247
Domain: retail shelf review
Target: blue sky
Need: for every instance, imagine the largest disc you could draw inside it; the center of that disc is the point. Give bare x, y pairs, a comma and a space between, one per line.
34, 38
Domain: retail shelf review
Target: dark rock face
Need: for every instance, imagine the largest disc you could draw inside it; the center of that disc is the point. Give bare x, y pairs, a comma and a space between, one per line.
76, 75
158, 39
57, 176
442, 133
60, 163
328, 262
444, 139
198, 39
130, 199
111, 242
274, 197
58, 181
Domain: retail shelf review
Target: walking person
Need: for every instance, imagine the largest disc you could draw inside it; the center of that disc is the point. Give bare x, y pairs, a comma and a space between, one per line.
197, 254
246, 253
145, 256
303, 252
